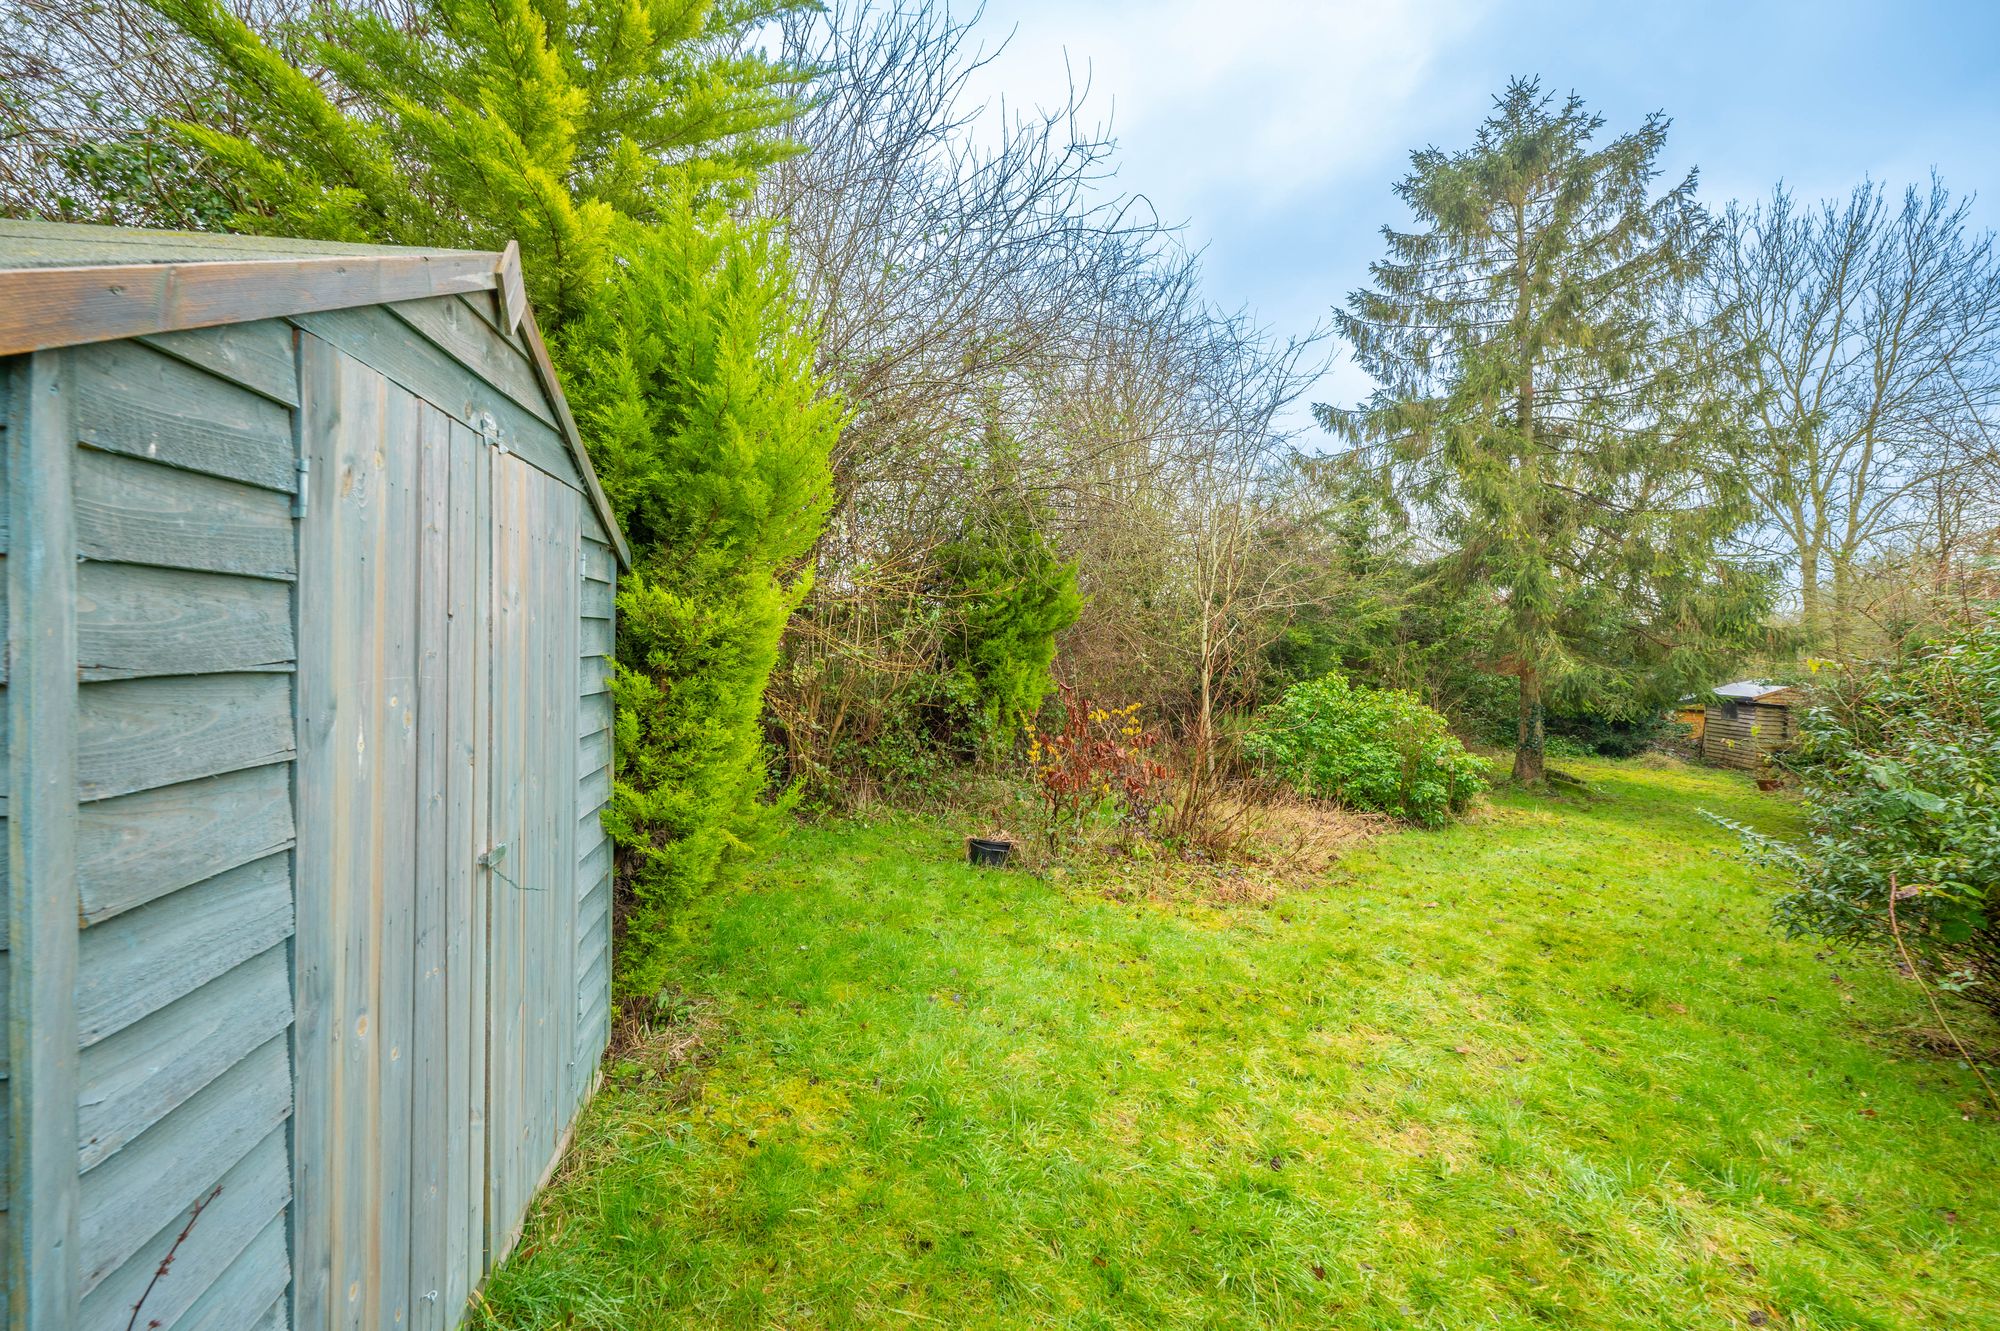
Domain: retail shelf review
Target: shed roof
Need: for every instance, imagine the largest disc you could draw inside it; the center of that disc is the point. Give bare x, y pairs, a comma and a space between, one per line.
1754, 690
63, 284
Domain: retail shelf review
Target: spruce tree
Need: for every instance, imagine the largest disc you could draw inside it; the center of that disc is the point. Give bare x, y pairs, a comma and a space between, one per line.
1554, 412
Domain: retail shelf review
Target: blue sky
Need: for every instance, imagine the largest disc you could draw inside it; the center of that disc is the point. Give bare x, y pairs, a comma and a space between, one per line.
1274, 128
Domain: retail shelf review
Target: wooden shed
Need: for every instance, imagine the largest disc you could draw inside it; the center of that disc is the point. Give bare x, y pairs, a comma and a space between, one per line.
308, 601
1744, 722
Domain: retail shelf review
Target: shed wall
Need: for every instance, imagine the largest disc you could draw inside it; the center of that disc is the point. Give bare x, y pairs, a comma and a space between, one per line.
177, 739
181, 746
1743, 738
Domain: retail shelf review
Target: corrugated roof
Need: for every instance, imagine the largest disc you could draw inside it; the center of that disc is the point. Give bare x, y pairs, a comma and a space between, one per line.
1748, 690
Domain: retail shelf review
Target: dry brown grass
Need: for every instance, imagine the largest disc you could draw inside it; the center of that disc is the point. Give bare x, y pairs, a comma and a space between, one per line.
668, 1041
1255, 845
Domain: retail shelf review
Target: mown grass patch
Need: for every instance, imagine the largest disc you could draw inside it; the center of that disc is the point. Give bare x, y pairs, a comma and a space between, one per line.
1549, 1067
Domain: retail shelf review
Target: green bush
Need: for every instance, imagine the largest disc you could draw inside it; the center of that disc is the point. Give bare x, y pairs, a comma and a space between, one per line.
1013, 597
1900, 768
1378, 749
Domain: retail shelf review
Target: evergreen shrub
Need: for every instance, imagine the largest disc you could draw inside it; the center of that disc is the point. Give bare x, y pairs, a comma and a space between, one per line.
1366, 748
1900, 769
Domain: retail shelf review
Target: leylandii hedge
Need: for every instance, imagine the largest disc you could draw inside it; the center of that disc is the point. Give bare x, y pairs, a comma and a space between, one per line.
1377, 749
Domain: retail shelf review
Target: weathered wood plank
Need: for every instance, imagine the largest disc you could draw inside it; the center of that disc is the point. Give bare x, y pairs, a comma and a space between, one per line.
431, 1110
274, 1319
25, 243
595, 863
593, 791
136, 1077
58, 307
590, 962
562, 725
507, 1045
141, 961
593, 751
598, 599
594, 1039
594, 675
246, 1200
391, 844
43, 1215
593, 712
450, 1263
258, 356
596, 637
323, 415
595, 977
131, 1196
133, 621
488, 307
593, 916
134, 848
255, 1280
454, 329
131, 399
474, 729
380, 340
599, 564
6, 508
136, 512
138, 734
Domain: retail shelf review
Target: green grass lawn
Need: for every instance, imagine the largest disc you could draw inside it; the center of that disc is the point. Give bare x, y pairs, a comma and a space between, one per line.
1547, 1068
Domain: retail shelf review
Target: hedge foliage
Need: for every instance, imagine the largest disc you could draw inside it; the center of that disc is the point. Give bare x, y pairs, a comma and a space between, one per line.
1900, 763
693, 379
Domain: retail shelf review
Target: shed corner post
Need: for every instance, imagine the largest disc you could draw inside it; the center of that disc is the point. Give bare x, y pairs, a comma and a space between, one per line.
43, 909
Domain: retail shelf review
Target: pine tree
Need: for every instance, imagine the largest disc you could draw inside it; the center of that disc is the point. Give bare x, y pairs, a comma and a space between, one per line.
1553, 411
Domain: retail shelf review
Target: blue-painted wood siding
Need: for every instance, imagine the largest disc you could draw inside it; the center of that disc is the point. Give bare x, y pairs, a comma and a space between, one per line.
256, 966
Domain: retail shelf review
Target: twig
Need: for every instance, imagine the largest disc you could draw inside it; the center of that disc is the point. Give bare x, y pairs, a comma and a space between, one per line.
168, 1260
1896, 932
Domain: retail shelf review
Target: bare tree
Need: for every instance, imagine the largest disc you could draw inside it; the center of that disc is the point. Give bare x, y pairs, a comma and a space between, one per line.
977, 277
1876, 327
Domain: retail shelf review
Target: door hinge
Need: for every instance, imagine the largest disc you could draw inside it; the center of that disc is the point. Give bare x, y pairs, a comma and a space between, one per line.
489, 430
304, 467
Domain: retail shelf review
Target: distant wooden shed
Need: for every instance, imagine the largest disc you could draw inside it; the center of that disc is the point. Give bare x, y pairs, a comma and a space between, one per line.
308, 604
1744, 722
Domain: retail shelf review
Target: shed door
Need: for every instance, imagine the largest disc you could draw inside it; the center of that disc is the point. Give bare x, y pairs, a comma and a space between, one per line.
437, 808
395, 596
531, 965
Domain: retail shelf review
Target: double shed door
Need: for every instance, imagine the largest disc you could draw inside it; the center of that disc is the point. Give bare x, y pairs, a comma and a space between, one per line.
436, 809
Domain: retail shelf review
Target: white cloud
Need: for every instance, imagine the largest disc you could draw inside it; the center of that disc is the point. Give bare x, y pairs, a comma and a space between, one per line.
1242, 105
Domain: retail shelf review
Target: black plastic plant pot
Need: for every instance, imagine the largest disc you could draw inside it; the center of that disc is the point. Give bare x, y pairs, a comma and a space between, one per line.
987, 854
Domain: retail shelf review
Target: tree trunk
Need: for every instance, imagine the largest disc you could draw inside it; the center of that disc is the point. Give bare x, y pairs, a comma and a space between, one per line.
1812, 614
1843, 594
1529, 767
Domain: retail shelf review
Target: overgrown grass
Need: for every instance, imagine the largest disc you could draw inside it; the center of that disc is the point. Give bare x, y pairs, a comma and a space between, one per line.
1546, 1068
